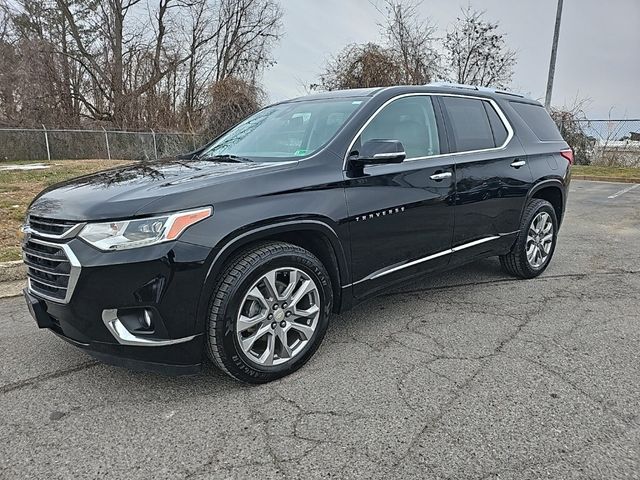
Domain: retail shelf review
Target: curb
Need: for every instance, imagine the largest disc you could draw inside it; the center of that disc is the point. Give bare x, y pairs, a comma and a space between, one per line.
12, 278
12, 289
592, 178
12, 271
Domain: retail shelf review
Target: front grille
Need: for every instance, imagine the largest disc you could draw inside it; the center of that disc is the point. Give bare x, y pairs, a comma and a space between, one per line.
49, 269
50, 228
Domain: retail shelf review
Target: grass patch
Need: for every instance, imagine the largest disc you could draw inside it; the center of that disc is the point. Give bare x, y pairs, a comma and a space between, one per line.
8, 254
19, 187
600, 171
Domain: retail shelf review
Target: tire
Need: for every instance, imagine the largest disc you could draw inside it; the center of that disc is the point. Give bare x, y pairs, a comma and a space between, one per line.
517, 262
239, 319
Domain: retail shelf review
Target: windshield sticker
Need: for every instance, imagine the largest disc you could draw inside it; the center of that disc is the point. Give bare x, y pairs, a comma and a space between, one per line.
301, 152
356, 102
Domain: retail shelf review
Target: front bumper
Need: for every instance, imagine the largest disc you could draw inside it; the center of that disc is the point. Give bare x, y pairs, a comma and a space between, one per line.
112, 288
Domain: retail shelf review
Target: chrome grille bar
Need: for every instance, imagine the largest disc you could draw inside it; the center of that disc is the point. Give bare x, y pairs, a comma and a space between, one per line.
52, 269
53, 229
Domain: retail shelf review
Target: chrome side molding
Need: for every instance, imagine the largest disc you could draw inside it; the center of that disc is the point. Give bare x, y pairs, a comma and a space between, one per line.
125, 337
394, 268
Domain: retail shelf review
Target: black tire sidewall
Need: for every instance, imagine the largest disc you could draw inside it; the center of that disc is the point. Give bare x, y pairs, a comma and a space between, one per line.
234, 358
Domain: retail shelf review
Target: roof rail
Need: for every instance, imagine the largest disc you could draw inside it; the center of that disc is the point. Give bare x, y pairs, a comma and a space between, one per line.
472, 87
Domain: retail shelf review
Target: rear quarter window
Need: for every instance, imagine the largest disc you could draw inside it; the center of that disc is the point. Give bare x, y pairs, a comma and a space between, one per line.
469, 124
538, 120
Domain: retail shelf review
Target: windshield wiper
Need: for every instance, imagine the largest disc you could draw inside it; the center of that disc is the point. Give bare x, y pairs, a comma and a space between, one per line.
224, 158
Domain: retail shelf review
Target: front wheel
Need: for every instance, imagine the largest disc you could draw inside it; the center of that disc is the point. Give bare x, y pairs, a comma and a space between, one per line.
269, 312
536, 241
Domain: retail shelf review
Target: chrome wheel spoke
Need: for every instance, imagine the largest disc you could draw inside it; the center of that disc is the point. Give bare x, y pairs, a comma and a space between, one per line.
248, 342
284, 342
245, 323
305, 330
310, 312
269, 281
294, 277
269, 352
256, 294
278, 316
306, 287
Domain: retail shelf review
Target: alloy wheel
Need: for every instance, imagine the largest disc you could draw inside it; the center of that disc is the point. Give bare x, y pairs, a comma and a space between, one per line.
539, 240
278, 316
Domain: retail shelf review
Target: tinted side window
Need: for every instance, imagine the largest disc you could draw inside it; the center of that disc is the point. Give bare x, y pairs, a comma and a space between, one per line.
469, 124
538, 120
410, 120
500, 133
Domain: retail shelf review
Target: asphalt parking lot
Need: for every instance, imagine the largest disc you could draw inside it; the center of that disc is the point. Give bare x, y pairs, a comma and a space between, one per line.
468, 375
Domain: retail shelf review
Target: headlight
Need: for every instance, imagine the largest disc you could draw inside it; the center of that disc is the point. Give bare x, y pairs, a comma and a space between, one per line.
135, 233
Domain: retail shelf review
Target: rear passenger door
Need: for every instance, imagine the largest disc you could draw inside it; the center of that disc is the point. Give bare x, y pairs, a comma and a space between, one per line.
492, 176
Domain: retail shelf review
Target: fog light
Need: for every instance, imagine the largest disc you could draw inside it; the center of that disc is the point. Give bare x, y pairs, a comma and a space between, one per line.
147, 319
137, 320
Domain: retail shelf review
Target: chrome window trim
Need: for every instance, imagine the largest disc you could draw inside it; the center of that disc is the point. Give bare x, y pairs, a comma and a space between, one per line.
494, 104
389, 155
394, 268
74, 272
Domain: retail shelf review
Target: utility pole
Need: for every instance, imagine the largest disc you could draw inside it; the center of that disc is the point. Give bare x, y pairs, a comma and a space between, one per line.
554, 54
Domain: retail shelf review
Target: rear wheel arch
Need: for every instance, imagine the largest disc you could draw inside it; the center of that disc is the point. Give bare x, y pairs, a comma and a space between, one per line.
553, 192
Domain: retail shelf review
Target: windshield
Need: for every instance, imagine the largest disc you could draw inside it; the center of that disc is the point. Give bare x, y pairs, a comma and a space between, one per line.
285, 131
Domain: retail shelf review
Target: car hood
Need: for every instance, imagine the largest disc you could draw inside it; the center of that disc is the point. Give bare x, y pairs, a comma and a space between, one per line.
126, 191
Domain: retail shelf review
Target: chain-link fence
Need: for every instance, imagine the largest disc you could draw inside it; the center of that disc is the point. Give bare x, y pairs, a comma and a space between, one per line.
604, 142
598, 142
58, 144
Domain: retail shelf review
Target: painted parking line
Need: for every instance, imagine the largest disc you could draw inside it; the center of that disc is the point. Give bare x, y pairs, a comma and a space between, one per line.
624, 190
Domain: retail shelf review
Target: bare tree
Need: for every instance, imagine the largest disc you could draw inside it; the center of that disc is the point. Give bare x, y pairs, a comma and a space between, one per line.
477, 52
412, 39
407, 56
128, 63
231, 100
572, 122
248, 30
361, 66
231, 38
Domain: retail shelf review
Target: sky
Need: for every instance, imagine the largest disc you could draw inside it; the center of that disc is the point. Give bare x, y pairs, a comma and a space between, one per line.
598, 53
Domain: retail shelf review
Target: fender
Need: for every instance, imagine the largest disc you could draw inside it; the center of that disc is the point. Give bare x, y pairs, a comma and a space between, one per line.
224, 249
552, 182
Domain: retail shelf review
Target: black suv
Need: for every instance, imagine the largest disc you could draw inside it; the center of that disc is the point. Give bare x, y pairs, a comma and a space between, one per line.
243, 248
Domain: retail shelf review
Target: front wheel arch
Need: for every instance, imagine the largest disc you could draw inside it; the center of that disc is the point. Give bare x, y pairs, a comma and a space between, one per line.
327, 247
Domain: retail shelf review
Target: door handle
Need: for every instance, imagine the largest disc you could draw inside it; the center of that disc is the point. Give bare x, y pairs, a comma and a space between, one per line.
518, 163
440, 176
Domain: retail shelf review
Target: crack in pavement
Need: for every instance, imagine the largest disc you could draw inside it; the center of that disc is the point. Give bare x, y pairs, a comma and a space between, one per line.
10, 387
461, 389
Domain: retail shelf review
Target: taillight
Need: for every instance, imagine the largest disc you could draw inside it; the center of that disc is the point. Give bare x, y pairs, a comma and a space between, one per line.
568, 154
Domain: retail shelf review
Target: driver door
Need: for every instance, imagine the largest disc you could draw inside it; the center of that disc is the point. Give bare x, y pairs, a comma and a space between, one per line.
401, 215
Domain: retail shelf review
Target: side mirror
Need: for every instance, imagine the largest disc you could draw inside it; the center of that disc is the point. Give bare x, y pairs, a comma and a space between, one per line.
377, 152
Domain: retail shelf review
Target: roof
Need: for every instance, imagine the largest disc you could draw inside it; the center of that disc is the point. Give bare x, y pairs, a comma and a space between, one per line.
452, 88
353, 92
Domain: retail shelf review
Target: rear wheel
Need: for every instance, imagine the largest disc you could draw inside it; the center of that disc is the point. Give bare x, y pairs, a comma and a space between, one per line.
269, 312
536, 241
